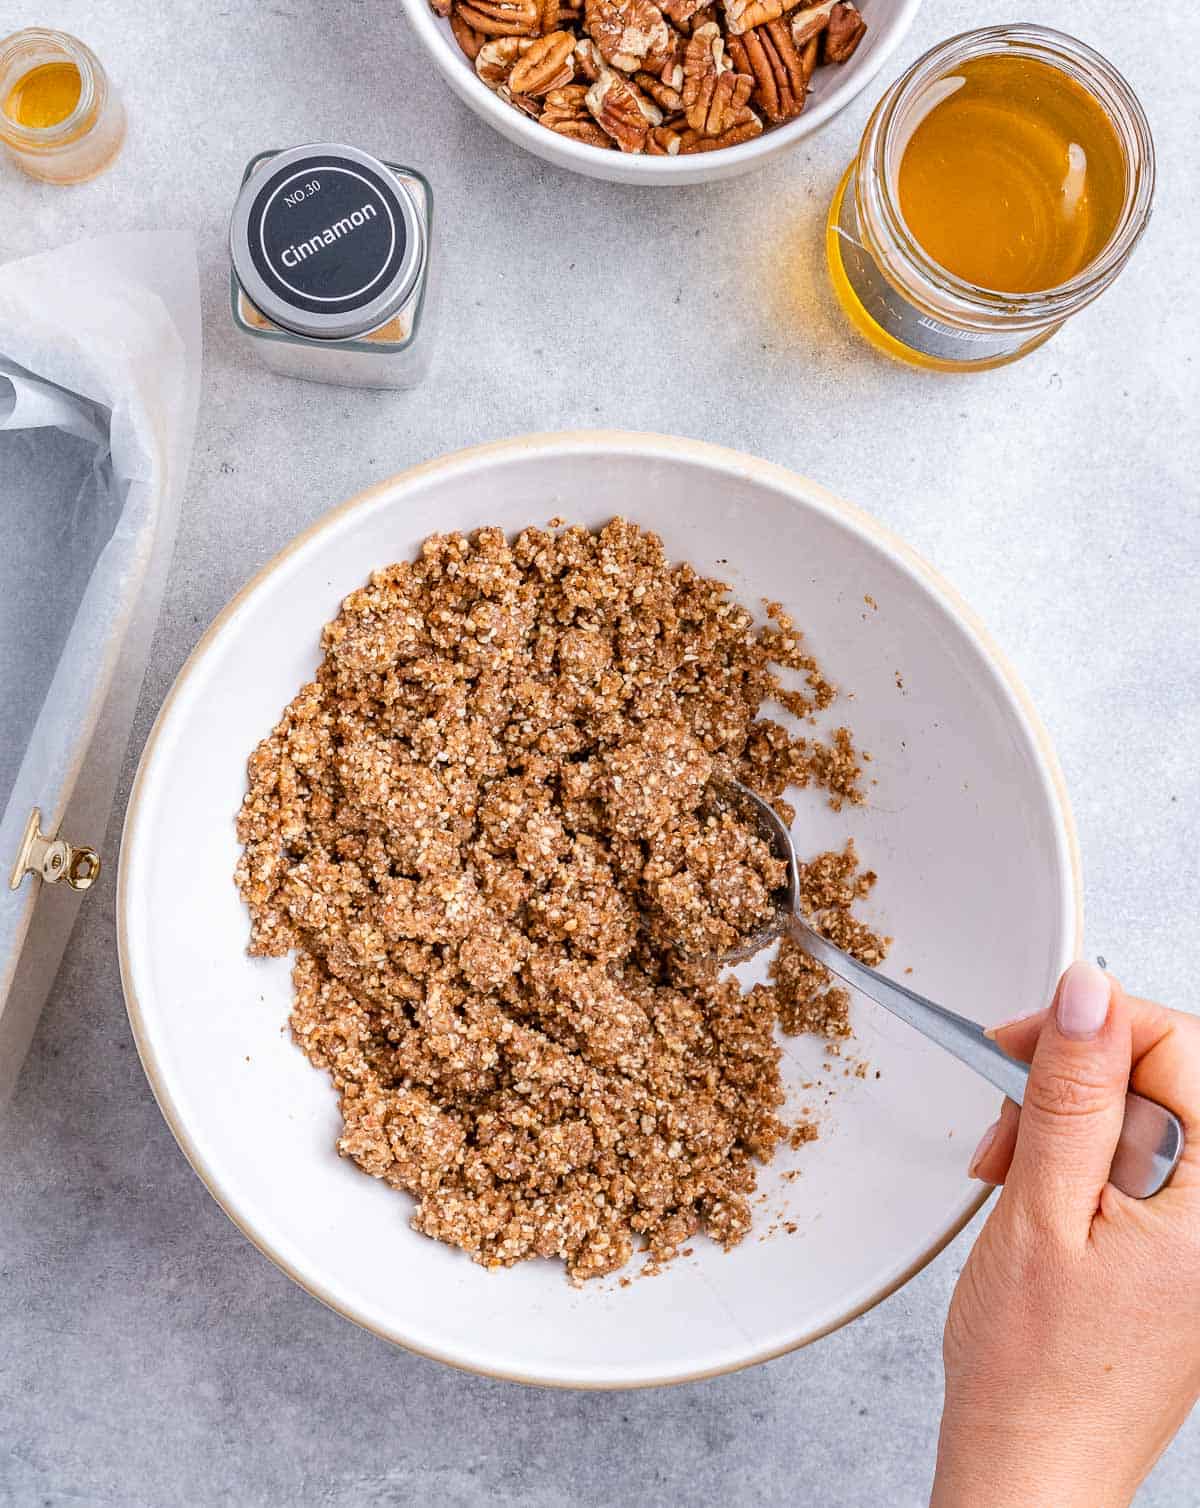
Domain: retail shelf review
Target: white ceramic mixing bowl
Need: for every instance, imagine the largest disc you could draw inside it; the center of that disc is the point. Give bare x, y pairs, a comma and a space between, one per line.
834, 87
966, 824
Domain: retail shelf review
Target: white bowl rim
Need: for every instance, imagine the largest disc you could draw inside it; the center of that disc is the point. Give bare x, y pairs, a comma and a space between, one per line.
636, 167
800, 492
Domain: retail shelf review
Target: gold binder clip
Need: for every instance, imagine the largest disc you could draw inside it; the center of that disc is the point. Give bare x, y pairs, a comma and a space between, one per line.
53, 858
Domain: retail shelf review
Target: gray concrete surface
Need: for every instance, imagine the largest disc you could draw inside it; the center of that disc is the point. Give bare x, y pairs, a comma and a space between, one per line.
148, 1355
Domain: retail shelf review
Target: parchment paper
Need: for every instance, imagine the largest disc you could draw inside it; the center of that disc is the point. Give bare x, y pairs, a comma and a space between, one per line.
99, 384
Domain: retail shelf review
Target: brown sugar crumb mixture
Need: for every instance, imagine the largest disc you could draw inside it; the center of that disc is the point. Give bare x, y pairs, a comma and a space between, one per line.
484, 830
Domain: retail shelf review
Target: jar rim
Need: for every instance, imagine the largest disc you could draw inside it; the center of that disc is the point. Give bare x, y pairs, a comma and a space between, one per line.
903, 258
91, 80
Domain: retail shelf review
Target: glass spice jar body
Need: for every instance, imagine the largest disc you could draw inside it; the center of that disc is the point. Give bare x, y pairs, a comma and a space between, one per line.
891, 289
332, 272
84, 139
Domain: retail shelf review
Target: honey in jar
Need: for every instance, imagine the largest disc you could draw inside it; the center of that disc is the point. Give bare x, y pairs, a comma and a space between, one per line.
1014, 179
44, 96
1000, 186
60, 118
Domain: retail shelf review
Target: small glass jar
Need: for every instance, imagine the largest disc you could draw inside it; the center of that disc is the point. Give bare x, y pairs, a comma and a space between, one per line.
904, 302
87, 139
331, 266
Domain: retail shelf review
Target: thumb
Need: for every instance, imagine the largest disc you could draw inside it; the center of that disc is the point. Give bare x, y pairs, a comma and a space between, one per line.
1074, 1103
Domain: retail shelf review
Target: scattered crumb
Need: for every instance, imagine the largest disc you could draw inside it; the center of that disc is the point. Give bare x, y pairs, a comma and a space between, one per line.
807, 998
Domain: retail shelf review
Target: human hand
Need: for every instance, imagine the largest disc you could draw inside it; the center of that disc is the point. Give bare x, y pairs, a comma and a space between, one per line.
1072, 1348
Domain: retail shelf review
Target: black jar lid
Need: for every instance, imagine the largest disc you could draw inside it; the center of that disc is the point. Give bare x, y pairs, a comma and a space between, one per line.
326, 241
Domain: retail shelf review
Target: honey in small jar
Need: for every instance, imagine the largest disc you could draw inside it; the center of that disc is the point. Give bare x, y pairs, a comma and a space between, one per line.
1000, 186
44, 96
60, 118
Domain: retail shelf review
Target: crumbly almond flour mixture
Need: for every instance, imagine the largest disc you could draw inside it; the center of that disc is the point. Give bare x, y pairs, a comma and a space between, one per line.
484, 829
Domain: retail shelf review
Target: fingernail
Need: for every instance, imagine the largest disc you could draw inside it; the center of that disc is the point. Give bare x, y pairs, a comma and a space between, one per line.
981, 1151
1083, 1001
990, 1031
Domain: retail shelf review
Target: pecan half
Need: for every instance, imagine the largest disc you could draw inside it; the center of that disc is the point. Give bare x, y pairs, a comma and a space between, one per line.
588, 61
682, 11
702, 18
843, 34
671, 72
566, 112
667, 99
746, 129
496, 62
548, 63
500, 18
496, 59
780, 82
466, 36
810, 22
666, 140
630, 34
745, 15
714, 96
621, 109
809, 58
549, 16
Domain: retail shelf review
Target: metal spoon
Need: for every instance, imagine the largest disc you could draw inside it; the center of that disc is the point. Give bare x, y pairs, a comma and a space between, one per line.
1151, 1141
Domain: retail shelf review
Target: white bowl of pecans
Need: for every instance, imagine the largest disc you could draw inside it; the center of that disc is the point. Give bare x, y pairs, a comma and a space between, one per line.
635, 91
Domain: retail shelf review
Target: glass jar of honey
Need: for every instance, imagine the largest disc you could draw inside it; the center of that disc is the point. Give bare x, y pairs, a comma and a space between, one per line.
60, 118
1000, 186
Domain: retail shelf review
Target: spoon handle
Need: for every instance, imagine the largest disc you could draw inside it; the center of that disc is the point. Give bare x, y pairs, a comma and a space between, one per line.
1151, 1141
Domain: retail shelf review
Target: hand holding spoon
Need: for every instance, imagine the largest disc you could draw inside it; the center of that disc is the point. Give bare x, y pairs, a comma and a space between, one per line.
1151, 1141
